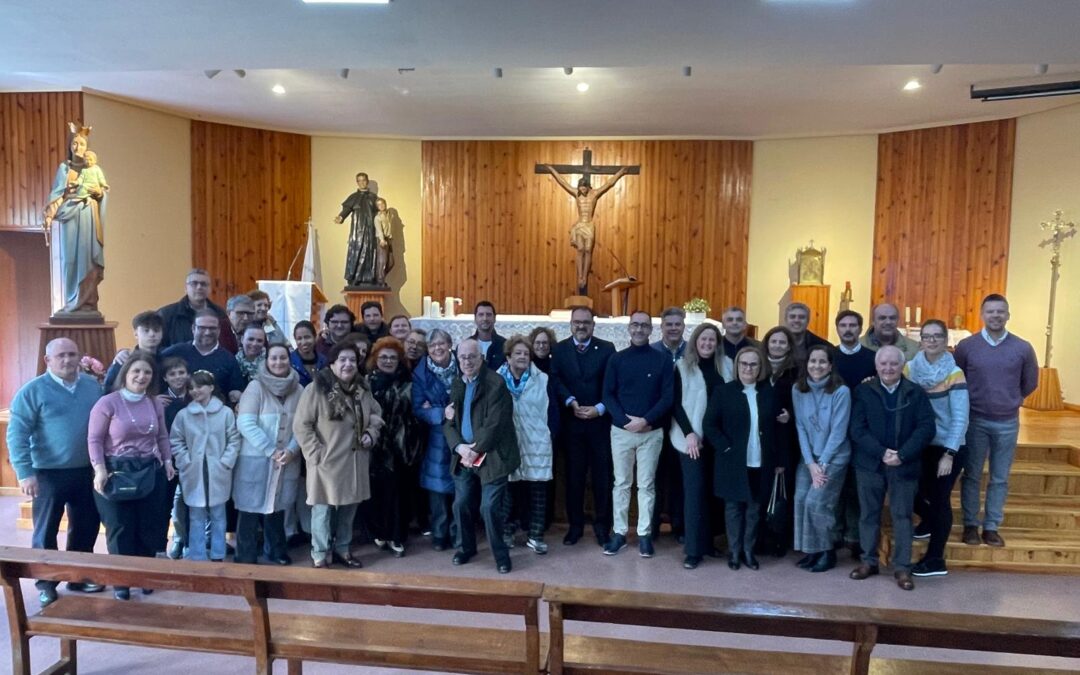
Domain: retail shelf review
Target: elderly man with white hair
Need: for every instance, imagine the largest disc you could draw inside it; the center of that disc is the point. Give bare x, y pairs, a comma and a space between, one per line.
892, 422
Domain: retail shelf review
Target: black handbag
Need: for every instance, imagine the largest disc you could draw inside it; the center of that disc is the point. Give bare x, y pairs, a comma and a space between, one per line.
130, 477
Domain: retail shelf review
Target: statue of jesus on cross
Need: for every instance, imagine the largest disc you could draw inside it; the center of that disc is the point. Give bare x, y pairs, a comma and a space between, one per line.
583, 232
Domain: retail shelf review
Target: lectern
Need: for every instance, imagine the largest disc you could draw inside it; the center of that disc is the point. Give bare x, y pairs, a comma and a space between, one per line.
620, 294
293, 301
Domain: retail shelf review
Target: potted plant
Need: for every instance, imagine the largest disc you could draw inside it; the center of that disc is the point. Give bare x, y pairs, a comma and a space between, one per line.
697, 309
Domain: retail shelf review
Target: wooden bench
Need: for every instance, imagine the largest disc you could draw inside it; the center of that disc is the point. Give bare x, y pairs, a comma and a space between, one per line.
864, 627
263, 632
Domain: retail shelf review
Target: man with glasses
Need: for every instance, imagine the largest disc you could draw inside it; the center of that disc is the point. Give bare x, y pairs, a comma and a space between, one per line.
338, 322
179, 317
484, 452
205, 352
415, 347
577, 371
638, 393
1001, 371
241, 311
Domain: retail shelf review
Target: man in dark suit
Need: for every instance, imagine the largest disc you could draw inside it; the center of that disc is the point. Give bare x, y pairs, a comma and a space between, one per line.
577, 369
491, 343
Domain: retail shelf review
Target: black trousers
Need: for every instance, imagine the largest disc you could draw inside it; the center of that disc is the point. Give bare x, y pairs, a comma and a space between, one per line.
528, 507
933, 502
392, 498
588, 451
137, 527
492, 496
699, 503
247, 535
57, 489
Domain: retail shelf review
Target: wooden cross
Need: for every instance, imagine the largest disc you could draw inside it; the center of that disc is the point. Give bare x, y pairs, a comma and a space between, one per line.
587, 168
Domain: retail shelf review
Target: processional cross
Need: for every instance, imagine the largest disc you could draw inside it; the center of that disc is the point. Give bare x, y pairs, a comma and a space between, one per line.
583, 232
1060, 231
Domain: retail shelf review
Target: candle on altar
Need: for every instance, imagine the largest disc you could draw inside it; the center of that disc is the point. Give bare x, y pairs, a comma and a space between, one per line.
918, 315
907, 315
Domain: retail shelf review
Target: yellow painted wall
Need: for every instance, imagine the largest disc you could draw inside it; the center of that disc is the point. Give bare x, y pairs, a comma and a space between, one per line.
810, 188
1046, 177
395, 166
146, 156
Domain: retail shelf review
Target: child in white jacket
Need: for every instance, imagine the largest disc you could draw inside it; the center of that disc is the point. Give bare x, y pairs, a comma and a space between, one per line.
205, 444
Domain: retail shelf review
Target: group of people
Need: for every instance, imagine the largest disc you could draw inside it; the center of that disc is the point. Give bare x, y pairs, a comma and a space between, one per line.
217, 419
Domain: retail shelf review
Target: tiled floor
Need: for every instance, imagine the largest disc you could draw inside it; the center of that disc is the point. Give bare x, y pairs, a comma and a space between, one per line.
974, 593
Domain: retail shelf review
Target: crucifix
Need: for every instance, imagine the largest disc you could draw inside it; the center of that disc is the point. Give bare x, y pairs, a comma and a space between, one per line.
583, 232
1059, 231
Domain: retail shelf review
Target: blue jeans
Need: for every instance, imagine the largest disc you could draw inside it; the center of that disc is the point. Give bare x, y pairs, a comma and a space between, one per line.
492, 512
331, 522
998, 441
198, 516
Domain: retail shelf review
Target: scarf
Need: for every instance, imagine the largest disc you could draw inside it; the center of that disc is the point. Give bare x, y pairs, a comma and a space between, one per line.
516, 389
250, 369
380, 382
927, 375
278, 386
343, 399
446, 374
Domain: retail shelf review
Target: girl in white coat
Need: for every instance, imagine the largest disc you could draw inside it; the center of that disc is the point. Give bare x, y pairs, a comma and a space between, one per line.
205, 444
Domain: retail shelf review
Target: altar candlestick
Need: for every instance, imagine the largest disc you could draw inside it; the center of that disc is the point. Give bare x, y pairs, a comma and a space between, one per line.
918, 315
907, 315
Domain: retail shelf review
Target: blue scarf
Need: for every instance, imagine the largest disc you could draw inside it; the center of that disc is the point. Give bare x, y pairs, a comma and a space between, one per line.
515, 389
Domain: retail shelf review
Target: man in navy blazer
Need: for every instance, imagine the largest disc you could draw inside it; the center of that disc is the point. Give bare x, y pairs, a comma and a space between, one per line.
577, 369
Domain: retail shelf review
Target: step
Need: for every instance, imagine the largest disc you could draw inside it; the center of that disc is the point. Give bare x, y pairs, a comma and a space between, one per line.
1037, 512
1023, 547
1048, 453
1042, 478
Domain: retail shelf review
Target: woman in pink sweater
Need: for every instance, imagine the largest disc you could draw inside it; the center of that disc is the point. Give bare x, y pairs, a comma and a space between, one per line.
127, 436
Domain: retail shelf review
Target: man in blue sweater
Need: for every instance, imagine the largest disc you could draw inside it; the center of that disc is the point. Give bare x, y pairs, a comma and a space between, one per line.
204, 352
638, 394
47, 445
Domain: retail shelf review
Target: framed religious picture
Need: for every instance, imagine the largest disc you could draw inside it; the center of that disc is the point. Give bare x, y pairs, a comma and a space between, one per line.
811, 265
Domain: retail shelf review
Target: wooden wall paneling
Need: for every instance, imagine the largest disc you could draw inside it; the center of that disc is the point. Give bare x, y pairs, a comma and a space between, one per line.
494, 229
251, 198
33, 142
941, 231
24, 305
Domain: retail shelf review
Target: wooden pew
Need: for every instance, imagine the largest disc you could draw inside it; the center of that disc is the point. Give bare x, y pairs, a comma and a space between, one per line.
864, 627
266, 633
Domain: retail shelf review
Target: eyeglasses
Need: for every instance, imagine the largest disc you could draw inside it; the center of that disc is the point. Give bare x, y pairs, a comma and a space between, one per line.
333, 322
199, 284
749, 366
932, 337
208, 329
581, 324
468, 357
637, 325
387, 357
243, 312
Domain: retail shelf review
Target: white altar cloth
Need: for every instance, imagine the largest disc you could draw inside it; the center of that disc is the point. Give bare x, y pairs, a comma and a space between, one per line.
614, 330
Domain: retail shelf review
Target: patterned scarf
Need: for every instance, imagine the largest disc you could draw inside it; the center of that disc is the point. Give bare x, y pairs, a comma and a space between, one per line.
343, 398
515, 389
446, 374
928, 375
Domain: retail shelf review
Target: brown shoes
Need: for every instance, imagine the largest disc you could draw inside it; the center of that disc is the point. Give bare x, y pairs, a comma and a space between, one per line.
863, 571
904, 581
992, 538
971, 535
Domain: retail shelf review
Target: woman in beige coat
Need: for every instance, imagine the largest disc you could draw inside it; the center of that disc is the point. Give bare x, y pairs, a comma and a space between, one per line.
337, 423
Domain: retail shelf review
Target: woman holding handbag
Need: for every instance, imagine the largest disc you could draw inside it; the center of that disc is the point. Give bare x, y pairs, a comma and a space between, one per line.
822, 412
132, 460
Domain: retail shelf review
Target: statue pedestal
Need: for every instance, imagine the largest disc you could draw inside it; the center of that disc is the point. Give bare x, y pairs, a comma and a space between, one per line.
1047, 396
94, 339
816, 297
356, 296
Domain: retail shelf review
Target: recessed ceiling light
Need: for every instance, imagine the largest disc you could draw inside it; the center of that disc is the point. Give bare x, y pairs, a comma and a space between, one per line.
583, 87
912, 85
278, 89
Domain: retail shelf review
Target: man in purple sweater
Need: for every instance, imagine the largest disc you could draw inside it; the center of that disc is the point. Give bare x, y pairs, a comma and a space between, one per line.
1001, 371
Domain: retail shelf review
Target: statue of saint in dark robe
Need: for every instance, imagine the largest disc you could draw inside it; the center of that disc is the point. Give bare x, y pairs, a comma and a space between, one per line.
361, 260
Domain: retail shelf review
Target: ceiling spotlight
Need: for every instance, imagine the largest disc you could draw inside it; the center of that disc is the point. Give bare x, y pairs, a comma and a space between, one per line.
211, 74
936, 68
241, 73
402, 71
686, 70
498, 72
344, 73
912, 85
583, 87
1041, 68
278, 89
568, 70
